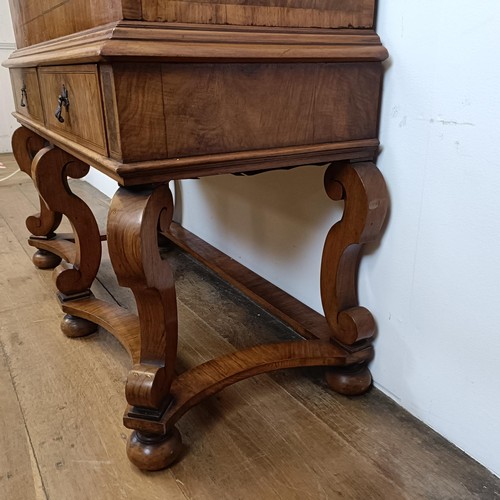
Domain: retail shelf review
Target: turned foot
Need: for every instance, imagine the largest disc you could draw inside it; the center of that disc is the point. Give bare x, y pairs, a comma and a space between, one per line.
46, 260
152, 452
349, 380
74, 327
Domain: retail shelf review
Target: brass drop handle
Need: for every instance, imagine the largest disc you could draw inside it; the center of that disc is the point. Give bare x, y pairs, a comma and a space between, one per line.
24, 96
62, 100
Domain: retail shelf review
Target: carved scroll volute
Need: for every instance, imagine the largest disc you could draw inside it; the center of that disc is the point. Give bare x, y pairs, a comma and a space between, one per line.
51, 167
133, 223
362, 187
25, 145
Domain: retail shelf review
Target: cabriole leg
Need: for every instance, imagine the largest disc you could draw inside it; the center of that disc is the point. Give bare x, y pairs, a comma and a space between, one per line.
135, 217
50, 168
364, 192
25, 145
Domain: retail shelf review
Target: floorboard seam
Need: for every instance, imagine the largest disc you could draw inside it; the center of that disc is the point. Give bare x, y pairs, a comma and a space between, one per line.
7, 360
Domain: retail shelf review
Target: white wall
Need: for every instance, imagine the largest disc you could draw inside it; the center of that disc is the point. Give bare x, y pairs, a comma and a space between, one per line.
433, 284
7, 45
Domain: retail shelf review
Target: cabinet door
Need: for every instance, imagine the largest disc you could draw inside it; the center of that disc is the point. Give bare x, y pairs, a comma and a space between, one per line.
284, 13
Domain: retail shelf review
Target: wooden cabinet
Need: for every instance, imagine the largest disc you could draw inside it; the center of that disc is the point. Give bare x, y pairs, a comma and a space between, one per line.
148, 91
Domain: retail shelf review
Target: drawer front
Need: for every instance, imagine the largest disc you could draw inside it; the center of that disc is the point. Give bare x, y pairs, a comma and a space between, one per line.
193, 109
81, 120
223, 108
27, 93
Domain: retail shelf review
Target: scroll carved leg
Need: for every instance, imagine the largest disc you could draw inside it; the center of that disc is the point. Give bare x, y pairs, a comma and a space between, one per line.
363, 189
135, 217
50, 169
25, 145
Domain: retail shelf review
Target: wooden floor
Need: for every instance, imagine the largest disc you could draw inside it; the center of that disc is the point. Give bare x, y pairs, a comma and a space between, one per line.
280, 436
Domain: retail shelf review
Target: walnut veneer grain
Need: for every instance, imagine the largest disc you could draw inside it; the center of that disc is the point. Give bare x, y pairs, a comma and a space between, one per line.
248, 107
38, 20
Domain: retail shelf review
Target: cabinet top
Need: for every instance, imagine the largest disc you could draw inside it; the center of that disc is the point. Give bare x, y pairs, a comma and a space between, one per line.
36, 21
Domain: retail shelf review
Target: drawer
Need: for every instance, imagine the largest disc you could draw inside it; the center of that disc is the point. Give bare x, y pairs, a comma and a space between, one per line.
82, 119
27, 93
224, 108
195, 109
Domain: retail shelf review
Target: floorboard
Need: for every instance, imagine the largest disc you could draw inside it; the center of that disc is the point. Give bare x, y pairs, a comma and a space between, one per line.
278, 436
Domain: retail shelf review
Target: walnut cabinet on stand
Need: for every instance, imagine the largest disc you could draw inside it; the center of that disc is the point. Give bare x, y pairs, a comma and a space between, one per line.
156, 90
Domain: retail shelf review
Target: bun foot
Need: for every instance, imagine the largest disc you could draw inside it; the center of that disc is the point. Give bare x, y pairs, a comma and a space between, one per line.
45, 260
153, 452
74, 327
349, 380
